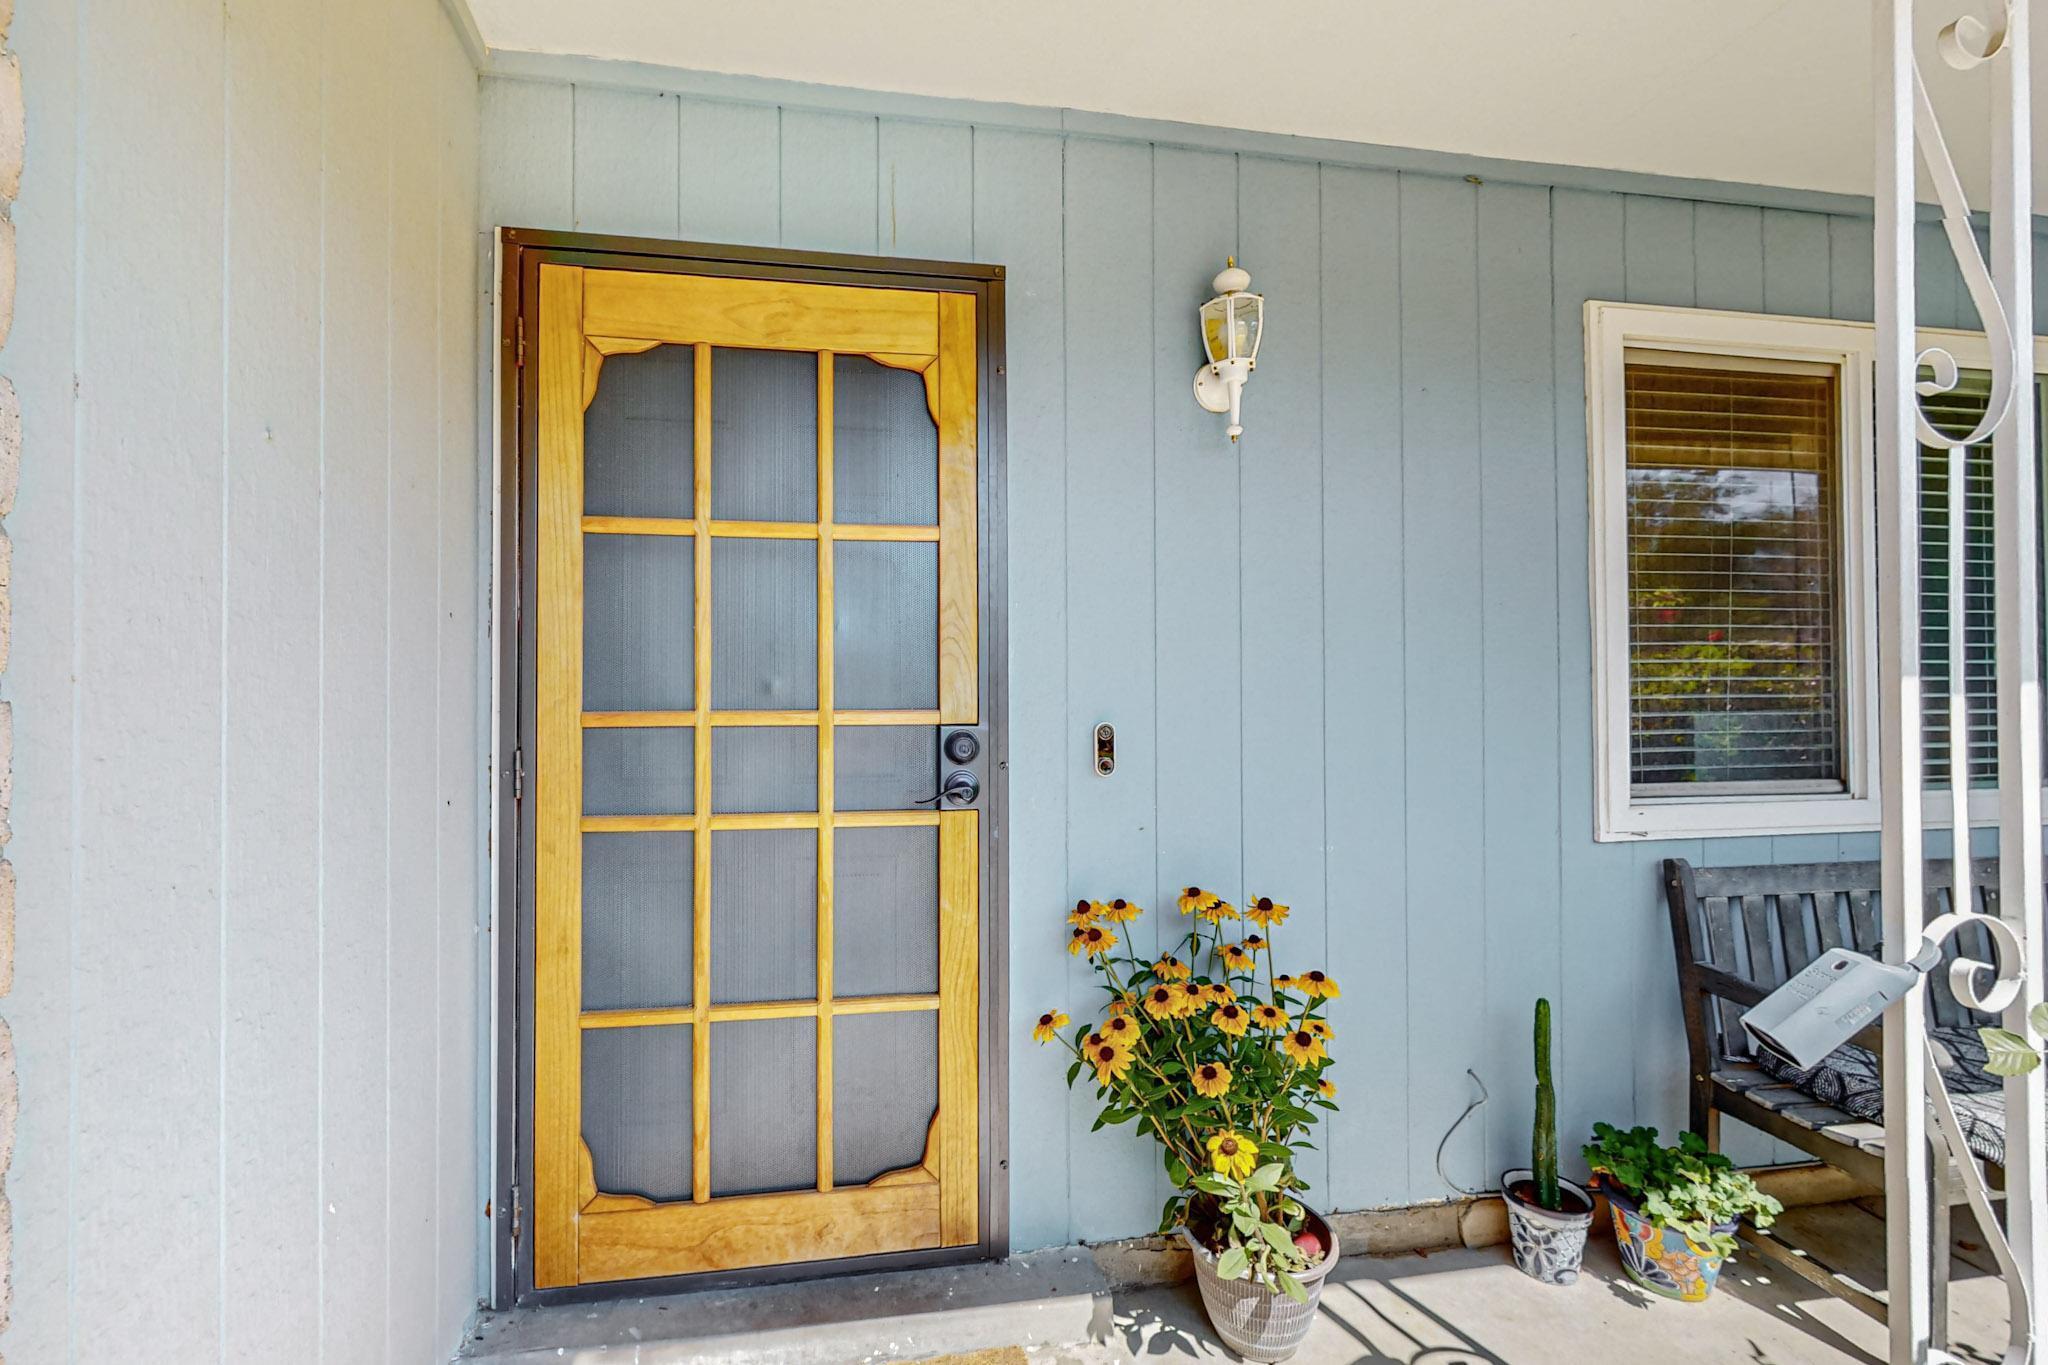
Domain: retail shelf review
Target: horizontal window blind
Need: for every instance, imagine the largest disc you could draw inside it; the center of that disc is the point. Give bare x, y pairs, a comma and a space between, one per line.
1735, 642
1956, 413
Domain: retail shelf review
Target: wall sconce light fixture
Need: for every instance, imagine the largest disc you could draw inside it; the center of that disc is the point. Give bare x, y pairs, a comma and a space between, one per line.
1231, 326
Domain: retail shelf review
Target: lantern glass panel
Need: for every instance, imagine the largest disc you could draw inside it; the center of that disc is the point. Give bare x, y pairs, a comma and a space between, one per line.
1215, 328
1249, 317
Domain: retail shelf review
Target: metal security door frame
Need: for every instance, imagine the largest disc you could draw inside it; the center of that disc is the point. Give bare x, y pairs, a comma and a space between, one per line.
522, 252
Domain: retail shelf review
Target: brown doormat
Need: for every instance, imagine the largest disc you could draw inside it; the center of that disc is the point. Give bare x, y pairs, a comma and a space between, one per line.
996, 1355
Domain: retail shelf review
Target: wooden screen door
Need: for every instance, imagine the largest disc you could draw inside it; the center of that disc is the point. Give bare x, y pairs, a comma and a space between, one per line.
756, 934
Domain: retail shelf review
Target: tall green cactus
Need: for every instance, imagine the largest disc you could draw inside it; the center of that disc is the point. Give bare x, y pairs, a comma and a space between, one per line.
1543, 1142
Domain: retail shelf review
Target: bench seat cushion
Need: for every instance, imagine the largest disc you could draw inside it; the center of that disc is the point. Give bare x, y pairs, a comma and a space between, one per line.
1849, 1080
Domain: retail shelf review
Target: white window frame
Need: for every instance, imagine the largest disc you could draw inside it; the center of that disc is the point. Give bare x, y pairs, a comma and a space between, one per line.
1614, 329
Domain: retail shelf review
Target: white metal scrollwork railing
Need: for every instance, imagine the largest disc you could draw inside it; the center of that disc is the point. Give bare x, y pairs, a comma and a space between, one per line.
2003, 294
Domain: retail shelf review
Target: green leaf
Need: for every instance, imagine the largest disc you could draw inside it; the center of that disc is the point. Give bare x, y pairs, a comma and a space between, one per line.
1277, 1238
1247, 1224
1232, 1264
1266, 1177
2038, 1017
2006, 1053
1209, 1184
1291, 1287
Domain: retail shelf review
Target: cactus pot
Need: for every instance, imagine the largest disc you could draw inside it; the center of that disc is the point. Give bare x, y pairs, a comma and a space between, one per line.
1257, 1320
1659, 1259
1548, 1246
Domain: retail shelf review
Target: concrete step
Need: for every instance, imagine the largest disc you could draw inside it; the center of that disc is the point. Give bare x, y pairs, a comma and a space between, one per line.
1042, 1301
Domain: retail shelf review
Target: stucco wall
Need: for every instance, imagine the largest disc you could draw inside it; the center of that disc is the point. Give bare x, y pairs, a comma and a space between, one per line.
249, 749
1348, 661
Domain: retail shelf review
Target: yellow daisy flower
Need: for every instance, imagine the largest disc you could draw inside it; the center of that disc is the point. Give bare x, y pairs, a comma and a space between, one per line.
1221, 993
1193, 900
1123, 1004
1092, 939
1266, 911
1303, 1047
1235, 957
1047, 1029
1255, 943
1120, 911
1109, 1060
1233, 1154
1211, 1079
1083, 914
1286, 983
1327, 1089
1162, 1002
1170, 968
1317, 984
1320, 1028
1218, 910
1187, 999
1271, 1018
1233, 1019
1120, 1027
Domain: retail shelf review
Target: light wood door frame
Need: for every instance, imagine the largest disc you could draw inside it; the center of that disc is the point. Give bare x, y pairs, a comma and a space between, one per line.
983, 1146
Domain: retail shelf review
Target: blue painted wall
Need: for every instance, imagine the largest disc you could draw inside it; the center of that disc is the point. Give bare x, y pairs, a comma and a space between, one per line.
1349, 661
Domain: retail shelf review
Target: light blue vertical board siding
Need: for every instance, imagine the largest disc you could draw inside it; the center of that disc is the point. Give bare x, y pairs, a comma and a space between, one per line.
271, 704
1017, 223
527, 155
1852, 272
1937, 285
828, 181
1599, 902
1281, 475
925, 190
1795, 263
1365, 802
1728, 265
412, 511
1444, 755
626, 148
355, 624
1518, 550
462, 916
39, 361
730, 179
1196, 538
148, 680
1660, 260
1110, 605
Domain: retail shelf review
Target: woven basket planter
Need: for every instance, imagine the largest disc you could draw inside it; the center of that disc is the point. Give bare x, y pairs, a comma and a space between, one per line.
1258, 1321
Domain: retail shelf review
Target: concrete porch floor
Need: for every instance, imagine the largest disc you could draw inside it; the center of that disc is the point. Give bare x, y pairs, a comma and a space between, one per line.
1459, 1307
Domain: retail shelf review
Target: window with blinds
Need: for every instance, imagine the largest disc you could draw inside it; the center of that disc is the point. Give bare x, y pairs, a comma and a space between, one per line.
1735, 636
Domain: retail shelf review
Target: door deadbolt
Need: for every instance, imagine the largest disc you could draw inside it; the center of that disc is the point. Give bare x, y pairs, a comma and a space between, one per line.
1105, 749
962, 746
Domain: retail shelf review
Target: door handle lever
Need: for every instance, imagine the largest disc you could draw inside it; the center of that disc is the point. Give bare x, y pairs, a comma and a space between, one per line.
960, 788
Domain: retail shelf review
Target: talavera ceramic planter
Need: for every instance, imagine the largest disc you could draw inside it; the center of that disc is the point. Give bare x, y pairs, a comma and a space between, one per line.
1661, 1260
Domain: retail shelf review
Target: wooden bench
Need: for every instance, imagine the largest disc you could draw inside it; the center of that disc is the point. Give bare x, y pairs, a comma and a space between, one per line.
1740, 932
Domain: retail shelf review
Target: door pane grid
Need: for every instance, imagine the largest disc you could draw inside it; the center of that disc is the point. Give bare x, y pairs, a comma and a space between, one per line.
658, 773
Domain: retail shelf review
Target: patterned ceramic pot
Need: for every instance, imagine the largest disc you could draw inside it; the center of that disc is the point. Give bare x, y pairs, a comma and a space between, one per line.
1548, 1246
1258, 1322
1660, 1260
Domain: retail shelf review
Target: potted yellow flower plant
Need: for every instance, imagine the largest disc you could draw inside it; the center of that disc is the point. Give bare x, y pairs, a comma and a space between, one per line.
1223, 1060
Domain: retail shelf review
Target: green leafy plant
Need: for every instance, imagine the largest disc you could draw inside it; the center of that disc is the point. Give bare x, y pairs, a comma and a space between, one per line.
1543, 1137
2009, 1054
1686, 1188
1258, 1235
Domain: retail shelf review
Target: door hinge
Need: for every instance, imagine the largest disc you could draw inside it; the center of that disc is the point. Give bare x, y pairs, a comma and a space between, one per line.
519, 343
519, 774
